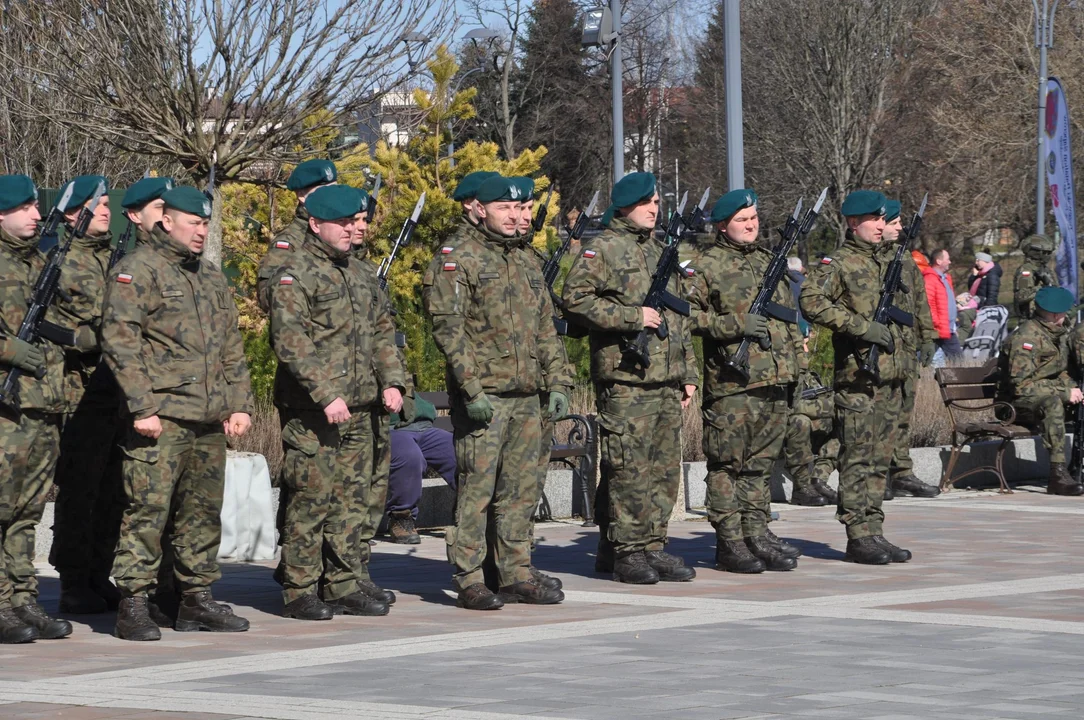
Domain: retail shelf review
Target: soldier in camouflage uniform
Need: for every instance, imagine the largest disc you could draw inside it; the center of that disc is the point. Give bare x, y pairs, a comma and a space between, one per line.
305, 178
810, 448
745, 418
841, 294
1036, 380
493, 320
639, 409
921, 336
1033, 274
30, 431
169, 335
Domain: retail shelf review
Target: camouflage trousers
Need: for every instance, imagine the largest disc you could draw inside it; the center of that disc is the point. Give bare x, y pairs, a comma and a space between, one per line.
327, 474
743, 437
497, 466
810, 449
1047, 414
376, 494
174, 487
867, 417
29, 445
901, 455
640, 456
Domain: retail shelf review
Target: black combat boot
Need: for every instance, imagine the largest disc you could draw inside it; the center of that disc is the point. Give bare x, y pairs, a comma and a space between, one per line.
48, 628
733, 556
670, 568
823, 488
531, 593
13, 630
866, 551
634, 569
162, 606
199, 611
77, 598
896, 554
401, 528
784, 547
308, 607
889, 495
479, 597
358, 603
1061, 482
909, 485
604, 559
773, 559
104, 587
808, 496
134, 622
547, 581
370, 588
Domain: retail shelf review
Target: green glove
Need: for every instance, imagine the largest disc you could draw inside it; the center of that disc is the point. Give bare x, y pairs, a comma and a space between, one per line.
27, 357
480, 409
879, 335
925, 353
558, 405
755, 326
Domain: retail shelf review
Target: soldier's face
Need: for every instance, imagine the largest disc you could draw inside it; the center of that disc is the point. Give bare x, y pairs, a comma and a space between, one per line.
744, 227
1052, 318
186, 229
339, 234
149, 215
526, 215
501, 217
21, 222
99, 224
643, 214
869, 228
893, 230
361, 229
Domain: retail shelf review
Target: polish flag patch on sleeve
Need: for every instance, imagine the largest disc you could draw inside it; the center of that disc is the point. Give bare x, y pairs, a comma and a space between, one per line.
450, 266
689, 269
446, 250
1025, 273
124, 278
826, 260
589, 254
282, 245
1027, 346
286, 280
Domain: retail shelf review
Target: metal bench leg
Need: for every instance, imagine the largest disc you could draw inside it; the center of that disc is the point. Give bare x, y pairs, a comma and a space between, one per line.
946, 478
1005, 489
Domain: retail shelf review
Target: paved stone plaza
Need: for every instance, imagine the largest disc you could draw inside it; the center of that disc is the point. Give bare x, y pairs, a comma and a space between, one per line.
986, 622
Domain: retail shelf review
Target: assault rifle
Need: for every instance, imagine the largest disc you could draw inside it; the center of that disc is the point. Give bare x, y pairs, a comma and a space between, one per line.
121, 248
763, 304
405, 234
552, 267
886, 309
658, 297
539, 221
812, 393
47, 287
370, 207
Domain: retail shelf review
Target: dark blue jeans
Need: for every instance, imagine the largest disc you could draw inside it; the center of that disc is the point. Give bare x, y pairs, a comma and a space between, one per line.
411, 453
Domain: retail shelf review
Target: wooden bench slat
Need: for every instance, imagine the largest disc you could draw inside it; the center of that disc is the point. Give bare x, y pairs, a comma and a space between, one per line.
953, 393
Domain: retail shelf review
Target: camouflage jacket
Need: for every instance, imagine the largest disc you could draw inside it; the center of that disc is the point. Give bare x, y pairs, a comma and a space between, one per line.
842, 293
331, 329
1029, 278
604, 292
279, 252
20, 265
559, 347
169, 334
83, 277
492, 317
725, 280
1037, 362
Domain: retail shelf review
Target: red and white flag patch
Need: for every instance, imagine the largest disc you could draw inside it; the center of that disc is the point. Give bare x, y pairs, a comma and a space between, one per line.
826, 260
282, 245
450, 266
124, 278
589, 254
1027, 346
286, 280
446, 250
1025, 273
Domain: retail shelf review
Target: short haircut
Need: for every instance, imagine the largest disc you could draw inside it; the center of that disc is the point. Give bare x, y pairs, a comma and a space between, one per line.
936, 255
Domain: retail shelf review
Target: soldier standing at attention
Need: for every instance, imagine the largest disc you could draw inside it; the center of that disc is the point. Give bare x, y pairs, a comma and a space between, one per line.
918, 350
466, 191
493, 320
1033, 274
745, 419
29, 433
1036, 380
143, 205
338, 367
810, 448
639, 409
305, 178
169, 335
841, 294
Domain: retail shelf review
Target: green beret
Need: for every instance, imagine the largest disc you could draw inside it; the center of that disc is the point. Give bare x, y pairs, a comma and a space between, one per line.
728, 205
16, 190
83, 189
188, 199
1037, 243
312, 172
363, 195
892, 210
499, 189
145, 190
864, 202
468, 186
632, 188
333, 202
1054, 299
525, 185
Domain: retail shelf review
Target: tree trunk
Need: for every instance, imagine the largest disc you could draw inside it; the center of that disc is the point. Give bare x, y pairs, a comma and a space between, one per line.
212, 250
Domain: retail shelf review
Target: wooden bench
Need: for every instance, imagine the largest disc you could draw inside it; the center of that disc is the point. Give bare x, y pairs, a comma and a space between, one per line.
970, 395
578, 454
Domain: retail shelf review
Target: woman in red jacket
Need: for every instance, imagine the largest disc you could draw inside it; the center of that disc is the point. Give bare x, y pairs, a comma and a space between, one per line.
942, 298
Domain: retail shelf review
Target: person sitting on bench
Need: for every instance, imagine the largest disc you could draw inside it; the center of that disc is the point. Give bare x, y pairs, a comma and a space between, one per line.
414, 447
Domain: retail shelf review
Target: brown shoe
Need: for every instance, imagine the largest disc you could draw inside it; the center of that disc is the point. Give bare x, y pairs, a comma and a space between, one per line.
479, 597
531, 593
401, 528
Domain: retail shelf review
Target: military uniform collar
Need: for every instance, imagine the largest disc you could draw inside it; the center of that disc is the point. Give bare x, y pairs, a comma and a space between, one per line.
1054, 331
94, 242
861, 247
724, 240
22, 248
506, 243
322, 249
302, 214
161, 241
142, 236
624, 225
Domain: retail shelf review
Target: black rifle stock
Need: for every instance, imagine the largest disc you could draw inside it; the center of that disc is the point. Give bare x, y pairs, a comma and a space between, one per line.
121, 248
552, 267
370, 207
539, 221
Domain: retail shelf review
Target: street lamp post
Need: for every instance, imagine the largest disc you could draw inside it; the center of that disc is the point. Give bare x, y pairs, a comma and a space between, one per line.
617, 91
1044, 39
735, 144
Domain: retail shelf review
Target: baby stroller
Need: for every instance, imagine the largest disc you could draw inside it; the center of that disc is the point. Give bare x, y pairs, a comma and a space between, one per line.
991, 329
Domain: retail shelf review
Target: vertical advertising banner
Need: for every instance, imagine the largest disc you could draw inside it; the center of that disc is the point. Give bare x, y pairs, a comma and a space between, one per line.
1059, 177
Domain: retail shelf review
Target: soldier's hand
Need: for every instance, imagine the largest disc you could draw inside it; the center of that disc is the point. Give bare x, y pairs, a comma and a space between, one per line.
755, 326
480, 409
1076, 396
237, 424
27, 357
393, 400
149, 427
1044, 277
337, 412
926, 353
878, 334
558, 405
651, 317
687, 393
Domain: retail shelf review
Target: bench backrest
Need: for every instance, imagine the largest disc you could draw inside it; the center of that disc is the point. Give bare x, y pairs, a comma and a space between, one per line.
441, 402
968, 383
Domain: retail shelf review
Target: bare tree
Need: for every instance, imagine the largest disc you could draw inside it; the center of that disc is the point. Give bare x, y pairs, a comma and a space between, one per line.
225, 82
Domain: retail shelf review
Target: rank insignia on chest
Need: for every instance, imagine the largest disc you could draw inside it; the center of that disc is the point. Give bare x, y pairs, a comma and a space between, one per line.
286, 280
589, 254
826, 261
1025, 273
450, 266
282, 245
446, 250
1027, 346
124, 278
